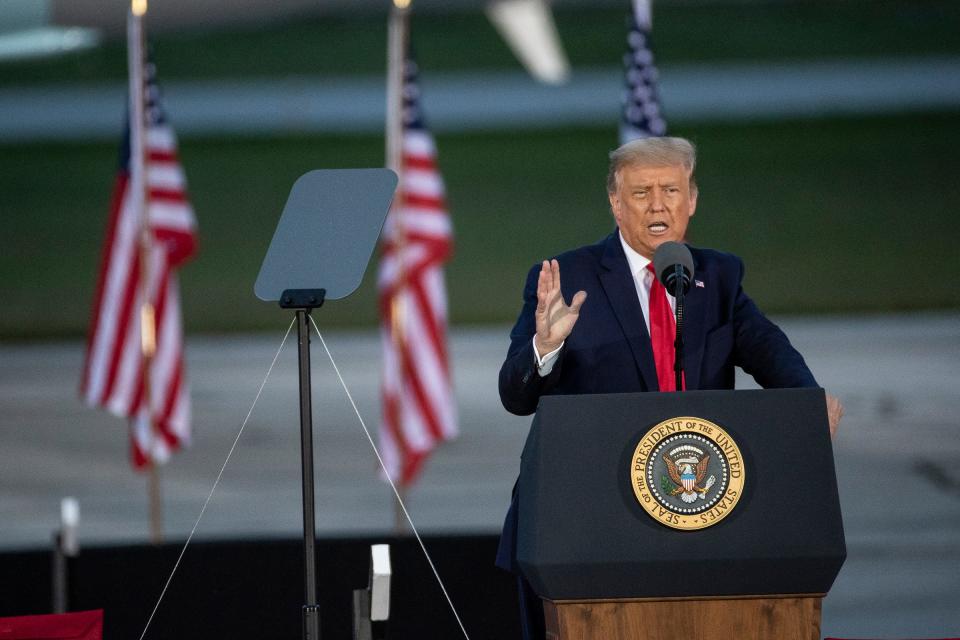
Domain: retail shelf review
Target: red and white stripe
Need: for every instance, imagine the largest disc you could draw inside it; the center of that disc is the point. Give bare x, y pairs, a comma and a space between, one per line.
113, 376
418, 402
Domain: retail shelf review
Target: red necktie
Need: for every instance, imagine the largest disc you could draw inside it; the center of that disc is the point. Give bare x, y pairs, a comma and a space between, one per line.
663, 334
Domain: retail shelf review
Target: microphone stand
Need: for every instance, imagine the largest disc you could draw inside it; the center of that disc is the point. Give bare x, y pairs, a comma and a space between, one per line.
678, 291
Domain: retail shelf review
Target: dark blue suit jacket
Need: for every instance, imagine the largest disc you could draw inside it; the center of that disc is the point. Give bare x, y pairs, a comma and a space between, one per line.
609, 349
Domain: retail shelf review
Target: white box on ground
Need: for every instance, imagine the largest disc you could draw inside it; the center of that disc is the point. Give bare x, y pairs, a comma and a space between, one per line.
69, 522
379, 582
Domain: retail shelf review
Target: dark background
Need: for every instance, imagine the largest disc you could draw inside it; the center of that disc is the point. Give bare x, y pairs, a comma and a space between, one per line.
254, 589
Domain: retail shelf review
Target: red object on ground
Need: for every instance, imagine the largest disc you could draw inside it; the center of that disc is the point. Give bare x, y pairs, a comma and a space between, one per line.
81, 625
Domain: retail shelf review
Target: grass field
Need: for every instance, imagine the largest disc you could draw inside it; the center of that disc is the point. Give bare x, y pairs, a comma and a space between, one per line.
830, 215
684, 32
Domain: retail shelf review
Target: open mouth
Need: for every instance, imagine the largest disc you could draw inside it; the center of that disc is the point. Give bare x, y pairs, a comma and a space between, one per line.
657, 228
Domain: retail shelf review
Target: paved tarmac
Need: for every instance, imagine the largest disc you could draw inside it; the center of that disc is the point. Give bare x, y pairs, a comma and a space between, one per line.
897, 454
494, 99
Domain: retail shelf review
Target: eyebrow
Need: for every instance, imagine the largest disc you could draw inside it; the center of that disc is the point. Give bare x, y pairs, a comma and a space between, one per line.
647, 187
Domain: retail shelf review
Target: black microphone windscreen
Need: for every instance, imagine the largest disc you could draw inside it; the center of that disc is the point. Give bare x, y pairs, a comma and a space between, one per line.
669, 254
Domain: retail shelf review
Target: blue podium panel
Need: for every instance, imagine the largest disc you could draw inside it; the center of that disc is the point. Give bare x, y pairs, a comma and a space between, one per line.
584, 534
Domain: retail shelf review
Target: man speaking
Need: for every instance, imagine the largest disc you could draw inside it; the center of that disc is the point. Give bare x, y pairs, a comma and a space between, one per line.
617, 333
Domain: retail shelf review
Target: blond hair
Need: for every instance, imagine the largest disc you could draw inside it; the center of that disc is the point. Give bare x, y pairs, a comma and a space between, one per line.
652, 152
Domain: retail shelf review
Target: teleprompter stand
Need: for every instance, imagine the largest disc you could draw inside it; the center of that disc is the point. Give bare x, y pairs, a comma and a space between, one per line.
319, 252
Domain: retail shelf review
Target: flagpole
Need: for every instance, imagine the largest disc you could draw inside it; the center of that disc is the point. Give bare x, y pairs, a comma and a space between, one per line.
138, 196
643, 12
397, 38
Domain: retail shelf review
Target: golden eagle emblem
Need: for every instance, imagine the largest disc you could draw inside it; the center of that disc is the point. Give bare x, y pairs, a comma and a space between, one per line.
687, 468
687, 473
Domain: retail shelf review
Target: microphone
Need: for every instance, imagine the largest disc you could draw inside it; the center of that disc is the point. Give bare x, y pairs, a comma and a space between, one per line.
666, 259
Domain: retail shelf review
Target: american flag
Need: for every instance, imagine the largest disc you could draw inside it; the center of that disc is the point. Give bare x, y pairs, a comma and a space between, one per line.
641, 115
418, 404
114, 372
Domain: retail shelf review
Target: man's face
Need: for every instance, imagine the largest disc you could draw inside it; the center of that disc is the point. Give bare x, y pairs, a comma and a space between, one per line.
652, 205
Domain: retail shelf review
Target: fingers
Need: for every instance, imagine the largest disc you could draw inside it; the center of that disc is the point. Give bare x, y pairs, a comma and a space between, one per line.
578, 299
834, 406
834, 413
549, 291
548, 283
549, 280
543, 286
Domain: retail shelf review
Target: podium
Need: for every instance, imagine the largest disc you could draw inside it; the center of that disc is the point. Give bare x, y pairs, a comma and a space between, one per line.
702, 514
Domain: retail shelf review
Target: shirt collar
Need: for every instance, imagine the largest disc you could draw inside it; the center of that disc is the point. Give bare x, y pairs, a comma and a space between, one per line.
637, 262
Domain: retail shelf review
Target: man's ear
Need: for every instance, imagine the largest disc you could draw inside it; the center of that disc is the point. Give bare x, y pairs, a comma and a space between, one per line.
693, 200
614, 206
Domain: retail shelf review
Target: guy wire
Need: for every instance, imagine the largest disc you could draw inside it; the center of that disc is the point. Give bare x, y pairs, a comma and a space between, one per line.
216, 482
393, 486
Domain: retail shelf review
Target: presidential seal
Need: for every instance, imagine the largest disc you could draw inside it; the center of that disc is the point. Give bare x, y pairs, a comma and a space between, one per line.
687, 473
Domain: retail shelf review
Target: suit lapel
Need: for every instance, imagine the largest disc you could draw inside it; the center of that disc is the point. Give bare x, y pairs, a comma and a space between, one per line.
617, 282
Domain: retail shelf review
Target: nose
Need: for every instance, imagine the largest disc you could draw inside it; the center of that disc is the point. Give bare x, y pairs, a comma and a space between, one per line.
656, 200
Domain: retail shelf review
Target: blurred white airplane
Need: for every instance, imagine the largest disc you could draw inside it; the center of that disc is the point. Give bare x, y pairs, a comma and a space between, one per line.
27, 30
30, 28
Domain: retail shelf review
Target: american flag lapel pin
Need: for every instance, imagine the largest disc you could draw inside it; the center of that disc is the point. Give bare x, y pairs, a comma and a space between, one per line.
698, 283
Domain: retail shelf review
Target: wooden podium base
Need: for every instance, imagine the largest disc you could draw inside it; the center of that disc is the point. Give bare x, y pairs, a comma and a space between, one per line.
769, 617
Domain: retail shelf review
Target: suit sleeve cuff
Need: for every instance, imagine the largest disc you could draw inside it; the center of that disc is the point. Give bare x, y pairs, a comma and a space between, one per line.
545, 363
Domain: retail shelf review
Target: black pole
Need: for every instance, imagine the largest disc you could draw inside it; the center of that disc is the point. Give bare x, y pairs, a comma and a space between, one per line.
59, 574
678, 343
311, 610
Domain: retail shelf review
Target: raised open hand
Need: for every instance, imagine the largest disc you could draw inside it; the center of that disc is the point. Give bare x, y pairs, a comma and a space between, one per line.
555, 319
